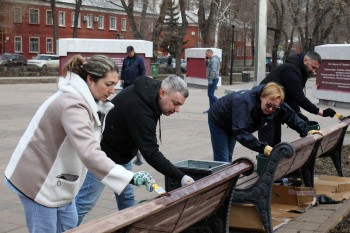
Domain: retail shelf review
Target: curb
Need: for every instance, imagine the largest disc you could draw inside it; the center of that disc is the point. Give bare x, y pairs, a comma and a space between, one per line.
26, 80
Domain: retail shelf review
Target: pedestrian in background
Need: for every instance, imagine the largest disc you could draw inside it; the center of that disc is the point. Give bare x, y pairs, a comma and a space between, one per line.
133, 66
50, 162
292, 76
212, 63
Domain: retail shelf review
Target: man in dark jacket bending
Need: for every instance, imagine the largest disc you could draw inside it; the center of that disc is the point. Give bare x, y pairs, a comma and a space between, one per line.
131, 125
292, 75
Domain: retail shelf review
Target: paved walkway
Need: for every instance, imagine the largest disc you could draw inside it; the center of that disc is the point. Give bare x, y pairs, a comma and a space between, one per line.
185, 136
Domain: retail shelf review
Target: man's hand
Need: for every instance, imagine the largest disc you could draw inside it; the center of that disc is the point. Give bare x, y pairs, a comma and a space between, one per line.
186, 180
210, 81
312, 132
143, 178
267, 150
328, 112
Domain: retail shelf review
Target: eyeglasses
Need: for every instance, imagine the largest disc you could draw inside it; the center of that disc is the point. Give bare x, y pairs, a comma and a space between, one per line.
273, 107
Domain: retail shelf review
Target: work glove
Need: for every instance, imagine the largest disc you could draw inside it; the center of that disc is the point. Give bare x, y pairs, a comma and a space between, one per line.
139, 159
328, 112
186, 180
312, 132
143, 178
267, 150
210, 81
302, 116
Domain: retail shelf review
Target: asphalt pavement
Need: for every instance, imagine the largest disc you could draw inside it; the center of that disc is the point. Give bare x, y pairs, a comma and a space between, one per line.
185, 135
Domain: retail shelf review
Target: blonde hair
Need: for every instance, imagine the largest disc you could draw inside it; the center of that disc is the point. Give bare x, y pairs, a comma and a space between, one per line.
97, 66
274, 90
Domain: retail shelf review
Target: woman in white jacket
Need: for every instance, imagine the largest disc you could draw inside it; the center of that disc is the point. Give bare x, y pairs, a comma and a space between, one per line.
50, 162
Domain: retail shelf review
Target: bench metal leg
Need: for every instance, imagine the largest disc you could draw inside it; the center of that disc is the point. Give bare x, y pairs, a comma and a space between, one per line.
259, 194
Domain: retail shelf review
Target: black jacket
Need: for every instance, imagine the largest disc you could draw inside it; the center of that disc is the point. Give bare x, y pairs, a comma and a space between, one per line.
239, 114
132, 124
293, 75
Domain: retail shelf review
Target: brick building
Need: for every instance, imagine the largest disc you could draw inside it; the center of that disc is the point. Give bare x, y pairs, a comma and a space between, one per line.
27, 25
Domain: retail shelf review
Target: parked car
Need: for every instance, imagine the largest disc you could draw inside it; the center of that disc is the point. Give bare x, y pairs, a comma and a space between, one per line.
45, 61
12, 60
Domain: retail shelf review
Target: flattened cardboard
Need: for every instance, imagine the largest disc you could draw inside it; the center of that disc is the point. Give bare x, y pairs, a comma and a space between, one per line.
245, 217
335, 187
287, 203
293, 199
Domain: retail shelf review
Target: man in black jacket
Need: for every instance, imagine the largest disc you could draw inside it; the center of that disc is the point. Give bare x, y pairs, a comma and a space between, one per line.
131, 126
292, 75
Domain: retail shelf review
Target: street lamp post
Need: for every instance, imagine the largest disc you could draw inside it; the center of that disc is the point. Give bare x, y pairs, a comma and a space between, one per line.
232, 53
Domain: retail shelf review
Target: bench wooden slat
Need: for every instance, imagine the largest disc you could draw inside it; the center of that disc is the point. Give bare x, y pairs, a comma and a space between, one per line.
180, 209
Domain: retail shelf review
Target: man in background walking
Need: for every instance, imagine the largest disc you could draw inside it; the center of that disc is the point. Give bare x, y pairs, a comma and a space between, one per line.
212, 63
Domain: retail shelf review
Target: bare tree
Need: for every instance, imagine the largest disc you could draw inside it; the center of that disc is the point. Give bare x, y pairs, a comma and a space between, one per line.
180, 38
138, 32
158, 27
78, 4
206, 25
278, 7
55, 24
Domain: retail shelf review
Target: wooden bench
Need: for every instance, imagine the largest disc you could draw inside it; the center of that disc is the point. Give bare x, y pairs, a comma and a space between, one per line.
289, 159
179, 210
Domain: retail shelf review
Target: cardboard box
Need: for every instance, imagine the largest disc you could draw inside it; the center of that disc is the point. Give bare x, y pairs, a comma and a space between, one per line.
287, 203
335, 187
245, 217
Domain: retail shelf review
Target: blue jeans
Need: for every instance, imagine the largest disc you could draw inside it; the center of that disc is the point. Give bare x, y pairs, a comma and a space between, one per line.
222, 143
42, 219
92, 189
211, 90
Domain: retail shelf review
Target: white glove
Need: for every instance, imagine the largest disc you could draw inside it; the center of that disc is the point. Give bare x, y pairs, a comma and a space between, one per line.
186, 180
139, 159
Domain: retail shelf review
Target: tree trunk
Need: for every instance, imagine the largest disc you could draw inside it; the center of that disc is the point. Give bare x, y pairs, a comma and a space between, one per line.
78, 4
55, 24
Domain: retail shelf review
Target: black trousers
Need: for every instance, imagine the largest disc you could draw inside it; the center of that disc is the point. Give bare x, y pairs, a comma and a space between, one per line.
271, 133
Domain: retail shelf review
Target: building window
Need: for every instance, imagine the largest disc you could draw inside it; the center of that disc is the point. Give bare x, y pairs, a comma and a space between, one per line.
49, 45
112, 23
79, 20
101, 22
150, 26
62, 19
17, 14
239, 36
238, 52
33, 16
123, 24
33, 44
89, 21
49, 18
18, 44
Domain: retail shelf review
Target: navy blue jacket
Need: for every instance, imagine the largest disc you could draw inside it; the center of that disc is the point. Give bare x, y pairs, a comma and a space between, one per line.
293, 75
239, 114
132, 125
132, 68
